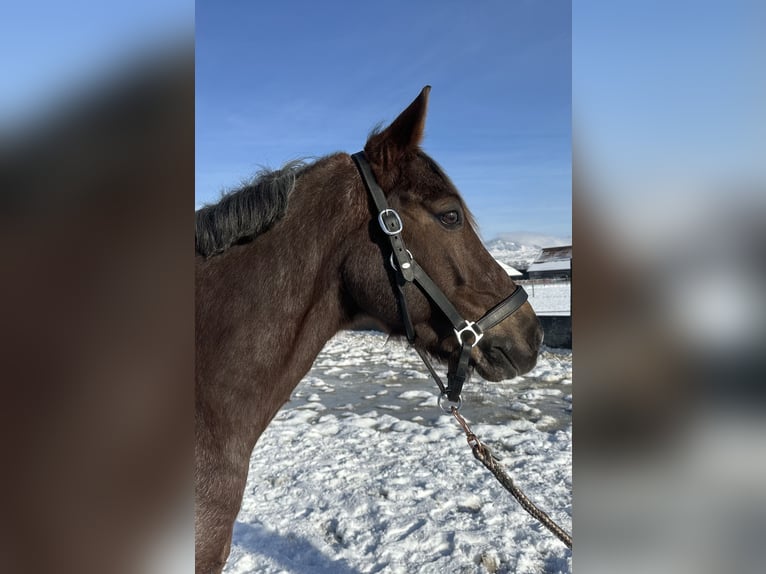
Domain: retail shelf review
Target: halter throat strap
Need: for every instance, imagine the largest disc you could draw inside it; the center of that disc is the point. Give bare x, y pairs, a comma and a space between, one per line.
407, 270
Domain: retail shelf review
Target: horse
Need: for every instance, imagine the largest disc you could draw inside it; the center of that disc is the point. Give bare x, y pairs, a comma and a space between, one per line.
298, 254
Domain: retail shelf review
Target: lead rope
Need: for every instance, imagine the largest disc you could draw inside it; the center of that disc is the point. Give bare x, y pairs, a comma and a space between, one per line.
481, 451
484, 455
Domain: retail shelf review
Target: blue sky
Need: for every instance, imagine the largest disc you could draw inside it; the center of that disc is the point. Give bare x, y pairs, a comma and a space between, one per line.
670, 89
51, 51
657, 85
279, 81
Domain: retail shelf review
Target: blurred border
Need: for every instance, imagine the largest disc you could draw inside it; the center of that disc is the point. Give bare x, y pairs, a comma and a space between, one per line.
668, 309
97, 305
96, 173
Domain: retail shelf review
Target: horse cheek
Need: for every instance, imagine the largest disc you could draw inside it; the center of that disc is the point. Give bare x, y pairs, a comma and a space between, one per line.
367, 289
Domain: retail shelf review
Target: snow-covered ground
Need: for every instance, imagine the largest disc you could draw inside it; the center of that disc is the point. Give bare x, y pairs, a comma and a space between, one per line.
549, 298
361, 472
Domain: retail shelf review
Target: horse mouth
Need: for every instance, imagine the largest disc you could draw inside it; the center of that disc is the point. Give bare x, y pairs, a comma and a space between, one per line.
496, 364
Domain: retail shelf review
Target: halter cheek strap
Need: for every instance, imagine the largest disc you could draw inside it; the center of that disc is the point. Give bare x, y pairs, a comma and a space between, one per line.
407, 270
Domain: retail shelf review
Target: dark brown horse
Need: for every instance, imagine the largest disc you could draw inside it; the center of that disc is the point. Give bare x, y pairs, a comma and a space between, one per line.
285, 263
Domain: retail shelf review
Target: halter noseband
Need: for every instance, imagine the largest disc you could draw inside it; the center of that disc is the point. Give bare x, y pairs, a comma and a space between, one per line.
468, 333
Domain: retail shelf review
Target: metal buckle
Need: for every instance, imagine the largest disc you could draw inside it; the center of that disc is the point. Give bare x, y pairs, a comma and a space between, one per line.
405, 265
383, 223
471, 327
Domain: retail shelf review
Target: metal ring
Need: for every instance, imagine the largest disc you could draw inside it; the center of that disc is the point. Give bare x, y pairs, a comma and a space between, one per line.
448, 409
393, 264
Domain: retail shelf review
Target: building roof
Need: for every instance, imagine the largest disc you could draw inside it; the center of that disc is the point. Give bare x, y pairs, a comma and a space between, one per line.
559, 265
560, 253
510, 270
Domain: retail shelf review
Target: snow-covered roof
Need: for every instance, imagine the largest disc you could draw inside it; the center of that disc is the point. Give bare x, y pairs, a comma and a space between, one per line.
554, 253
510, 270
551, 266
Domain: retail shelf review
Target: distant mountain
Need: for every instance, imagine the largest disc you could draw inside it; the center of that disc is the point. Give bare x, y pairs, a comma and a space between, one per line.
519, 250
514, 254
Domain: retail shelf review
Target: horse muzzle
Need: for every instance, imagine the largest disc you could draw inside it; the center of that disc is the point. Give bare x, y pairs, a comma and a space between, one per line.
503, 357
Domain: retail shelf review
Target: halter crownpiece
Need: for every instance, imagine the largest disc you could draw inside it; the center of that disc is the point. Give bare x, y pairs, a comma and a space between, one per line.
407, 270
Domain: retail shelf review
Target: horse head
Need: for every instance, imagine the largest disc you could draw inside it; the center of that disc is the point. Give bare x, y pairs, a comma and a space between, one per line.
440, 233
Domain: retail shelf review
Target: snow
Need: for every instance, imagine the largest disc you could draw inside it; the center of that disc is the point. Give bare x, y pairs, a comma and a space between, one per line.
549, 298
514, 254
521, 249
545, 298
387, 483
510, 270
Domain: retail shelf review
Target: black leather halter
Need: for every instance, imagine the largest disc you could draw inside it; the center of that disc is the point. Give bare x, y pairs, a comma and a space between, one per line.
468, 333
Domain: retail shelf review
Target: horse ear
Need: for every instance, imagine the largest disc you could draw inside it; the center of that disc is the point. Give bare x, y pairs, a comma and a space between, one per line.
404, 133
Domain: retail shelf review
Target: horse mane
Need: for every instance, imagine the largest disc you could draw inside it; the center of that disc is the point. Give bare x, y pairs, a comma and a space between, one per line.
242, 214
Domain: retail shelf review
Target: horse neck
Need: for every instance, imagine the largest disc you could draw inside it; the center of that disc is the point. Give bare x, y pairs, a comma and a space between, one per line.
266, 309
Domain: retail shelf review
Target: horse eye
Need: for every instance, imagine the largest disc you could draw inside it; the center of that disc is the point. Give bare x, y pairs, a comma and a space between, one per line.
450, 217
